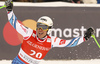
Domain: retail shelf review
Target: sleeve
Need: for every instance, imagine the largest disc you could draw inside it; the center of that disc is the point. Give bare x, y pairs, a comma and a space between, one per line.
24, 31
57, 42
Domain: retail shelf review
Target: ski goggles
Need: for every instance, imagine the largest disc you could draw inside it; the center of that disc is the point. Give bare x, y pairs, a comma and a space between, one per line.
42, 26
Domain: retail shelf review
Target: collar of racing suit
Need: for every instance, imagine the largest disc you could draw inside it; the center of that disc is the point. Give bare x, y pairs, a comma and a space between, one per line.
42, 38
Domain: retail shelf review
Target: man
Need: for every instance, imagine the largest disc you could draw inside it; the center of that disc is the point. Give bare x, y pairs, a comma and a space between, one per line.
36, 44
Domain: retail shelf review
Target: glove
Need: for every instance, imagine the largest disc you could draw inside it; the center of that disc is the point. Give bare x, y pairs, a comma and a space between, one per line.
9, 5
88, 33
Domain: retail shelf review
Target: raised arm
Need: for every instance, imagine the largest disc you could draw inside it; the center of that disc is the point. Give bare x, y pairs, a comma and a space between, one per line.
24, 31
57, 42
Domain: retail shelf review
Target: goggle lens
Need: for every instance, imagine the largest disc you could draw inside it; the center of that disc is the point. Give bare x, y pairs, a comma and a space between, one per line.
42, 26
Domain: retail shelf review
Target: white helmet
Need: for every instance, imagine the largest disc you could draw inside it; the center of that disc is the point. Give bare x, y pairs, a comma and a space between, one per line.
46, 20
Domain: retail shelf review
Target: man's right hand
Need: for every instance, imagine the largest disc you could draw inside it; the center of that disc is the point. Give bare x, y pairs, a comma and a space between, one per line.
9, 5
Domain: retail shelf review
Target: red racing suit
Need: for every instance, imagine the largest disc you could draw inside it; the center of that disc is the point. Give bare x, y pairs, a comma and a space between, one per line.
33, 49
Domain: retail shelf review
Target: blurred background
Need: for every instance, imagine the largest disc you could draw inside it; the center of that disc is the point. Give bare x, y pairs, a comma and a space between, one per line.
71, 1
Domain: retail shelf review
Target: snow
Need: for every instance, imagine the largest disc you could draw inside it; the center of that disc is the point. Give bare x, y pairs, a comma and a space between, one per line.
92, 61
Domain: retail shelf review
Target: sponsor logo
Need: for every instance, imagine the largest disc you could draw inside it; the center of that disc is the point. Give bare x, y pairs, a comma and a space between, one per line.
38, 46
57, 32
62, 42
69, 32
43, 19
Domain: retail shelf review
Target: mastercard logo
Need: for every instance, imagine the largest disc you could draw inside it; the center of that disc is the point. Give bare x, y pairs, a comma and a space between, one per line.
12, 37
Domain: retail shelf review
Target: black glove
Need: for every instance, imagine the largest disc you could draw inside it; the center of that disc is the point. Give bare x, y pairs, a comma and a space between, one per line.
88, 33
9, 5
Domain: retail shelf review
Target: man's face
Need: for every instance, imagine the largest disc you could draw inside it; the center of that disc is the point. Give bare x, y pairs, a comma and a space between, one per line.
41, 33
41, 30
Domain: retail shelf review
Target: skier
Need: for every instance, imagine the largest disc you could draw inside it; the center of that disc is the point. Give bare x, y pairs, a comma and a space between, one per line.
36, 44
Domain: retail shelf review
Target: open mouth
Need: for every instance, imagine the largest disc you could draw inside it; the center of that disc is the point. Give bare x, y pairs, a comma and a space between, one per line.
40, 33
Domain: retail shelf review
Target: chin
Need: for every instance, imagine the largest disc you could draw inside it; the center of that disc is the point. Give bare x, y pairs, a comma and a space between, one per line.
40, 36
